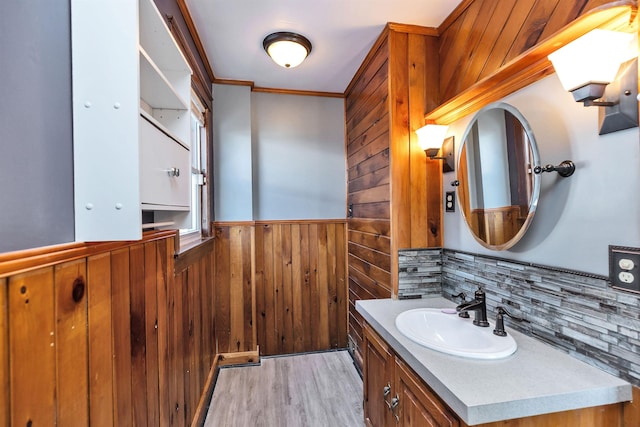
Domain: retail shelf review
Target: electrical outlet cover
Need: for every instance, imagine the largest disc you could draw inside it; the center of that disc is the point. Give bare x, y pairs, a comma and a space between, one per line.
450, 201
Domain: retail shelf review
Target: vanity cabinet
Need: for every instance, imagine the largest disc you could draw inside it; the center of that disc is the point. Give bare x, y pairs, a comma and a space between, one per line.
410, 401
131, 120
377, 388
418, 405
394, 395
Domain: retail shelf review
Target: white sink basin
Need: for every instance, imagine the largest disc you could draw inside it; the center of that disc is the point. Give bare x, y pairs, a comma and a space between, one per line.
441, 330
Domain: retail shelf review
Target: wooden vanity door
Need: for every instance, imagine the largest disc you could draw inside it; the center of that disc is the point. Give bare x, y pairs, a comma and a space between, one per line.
378, 365
418, 406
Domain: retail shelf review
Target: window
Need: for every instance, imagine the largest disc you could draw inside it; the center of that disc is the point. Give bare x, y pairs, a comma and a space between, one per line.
199, 217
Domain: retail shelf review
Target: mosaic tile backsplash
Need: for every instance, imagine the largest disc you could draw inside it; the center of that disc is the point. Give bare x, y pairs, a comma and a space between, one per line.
419, 273
576, 312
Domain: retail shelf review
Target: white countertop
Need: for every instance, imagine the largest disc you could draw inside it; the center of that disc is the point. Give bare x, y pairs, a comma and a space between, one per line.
537, 379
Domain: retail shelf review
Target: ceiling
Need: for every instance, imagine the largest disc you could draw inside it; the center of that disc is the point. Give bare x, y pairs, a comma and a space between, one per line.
341, 32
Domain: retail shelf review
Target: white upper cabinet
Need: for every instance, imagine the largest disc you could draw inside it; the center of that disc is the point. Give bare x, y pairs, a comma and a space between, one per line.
131, 119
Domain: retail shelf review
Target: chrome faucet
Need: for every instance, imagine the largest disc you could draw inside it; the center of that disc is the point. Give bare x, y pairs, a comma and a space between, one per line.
479, 306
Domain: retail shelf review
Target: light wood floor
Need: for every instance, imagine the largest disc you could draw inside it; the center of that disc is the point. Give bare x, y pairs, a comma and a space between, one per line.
308, 390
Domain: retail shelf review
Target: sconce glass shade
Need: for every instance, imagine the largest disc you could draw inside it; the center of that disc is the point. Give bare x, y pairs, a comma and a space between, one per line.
430, 138
592, 59
287, 49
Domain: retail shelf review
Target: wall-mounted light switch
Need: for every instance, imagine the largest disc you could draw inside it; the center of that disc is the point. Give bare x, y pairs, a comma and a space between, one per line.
624, 268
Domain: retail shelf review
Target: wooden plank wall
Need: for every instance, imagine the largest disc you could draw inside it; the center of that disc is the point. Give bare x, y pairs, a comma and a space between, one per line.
235, 302
479, 36
106, 337
393, 191
301, 286
287, 288
368, 172
195, 289
416, 182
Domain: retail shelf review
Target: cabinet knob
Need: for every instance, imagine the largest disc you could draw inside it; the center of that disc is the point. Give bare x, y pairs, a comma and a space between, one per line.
385, 392
394, 404
173, 172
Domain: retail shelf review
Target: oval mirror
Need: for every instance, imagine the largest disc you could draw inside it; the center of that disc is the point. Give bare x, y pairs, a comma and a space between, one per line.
498, 190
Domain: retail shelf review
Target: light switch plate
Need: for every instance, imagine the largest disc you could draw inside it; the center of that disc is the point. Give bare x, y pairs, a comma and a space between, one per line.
624, 268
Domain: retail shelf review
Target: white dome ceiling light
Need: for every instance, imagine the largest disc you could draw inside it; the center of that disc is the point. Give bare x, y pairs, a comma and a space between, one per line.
287, 49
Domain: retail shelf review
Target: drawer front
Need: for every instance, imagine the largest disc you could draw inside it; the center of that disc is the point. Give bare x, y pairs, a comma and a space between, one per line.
165, 170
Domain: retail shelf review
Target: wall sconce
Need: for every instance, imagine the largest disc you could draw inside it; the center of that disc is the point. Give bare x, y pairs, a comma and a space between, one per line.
587, 66
287, 49
431, 140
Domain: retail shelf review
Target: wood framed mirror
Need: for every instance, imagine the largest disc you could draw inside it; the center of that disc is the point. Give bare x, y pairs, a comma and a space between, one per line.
498, 190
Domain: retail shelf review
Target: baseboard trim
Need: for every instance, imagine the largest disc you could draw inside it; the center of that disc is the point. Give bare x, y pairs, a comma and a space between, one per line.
205, 399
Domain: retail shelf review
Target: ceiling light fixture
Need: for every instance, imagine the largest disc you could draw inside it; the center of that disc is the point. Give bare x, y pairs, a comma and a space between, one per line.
287, 49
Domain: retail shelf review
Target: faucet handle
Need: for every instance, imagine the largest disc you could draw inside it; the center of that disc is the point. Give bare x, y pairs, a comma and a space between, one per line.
499, 330
463, 299
461, 295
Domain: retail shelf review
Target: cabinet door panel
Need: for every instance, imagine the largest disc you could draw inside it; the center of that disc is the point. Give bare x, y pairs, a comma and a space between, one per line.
418, 405
378, 364
160, 155
105, 126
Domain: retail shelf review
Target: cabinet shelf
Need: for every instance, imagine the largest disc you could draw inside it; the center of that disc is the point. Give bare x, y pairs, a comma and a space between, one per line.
156, 39
149, 225
164, 208
155, 88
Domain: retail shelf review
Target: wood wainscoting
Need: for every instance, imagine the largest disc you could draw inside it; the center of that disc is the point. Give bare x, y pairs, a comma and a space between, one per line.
301, 286
235, 301
105, 334
124, 333
288, 286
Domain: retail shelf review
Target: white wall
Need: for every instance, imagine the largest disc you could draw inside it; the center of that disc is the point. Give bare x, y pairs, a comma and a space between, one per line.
232, 168
278, 157
299, 157
577, 217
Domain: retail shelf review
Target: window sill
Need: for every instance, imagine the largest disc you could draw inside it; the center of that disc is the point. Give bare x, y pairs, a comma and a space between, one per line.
189, 242
190, 251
